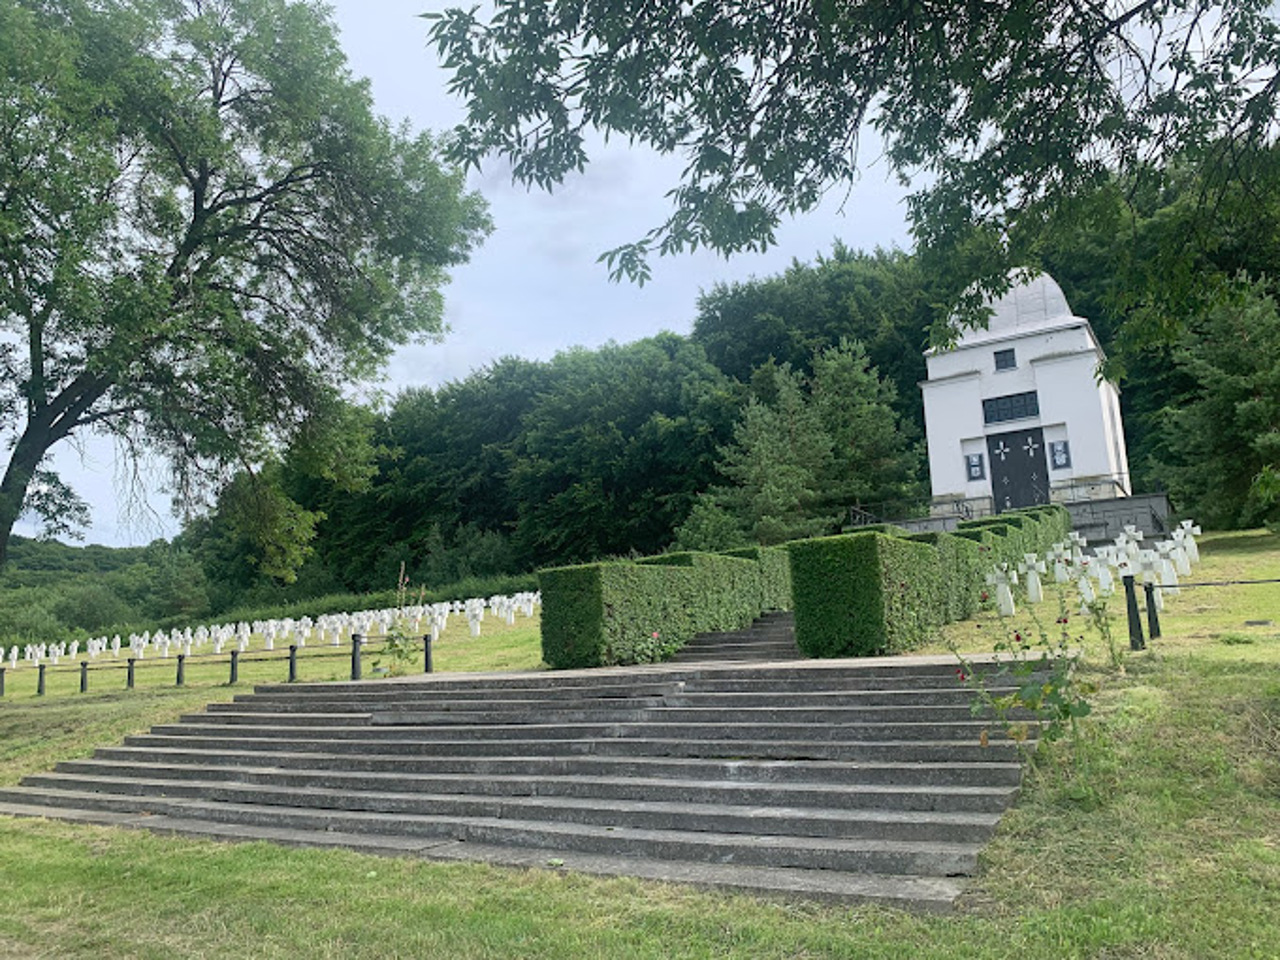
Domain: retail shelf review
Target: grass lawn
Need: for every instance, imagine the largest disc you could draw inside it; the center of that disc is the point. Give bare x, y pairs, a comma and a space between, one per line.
1154, 834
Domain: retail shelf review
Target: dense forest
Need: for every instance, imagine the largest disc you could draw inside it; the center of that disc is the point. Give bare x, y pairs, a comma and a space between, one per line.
793, 398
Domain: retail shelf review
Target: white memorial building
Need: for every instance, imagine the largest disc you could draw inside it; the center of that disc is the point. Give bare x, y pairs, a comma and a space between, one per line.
1015, 414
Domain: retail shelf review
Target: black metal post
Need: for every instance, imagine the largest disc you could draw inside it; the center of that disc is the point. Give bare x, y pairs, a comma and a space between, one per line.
1, 681
1153, 615
1136, 641
235, 667
182, 669
128, 677
293, 663
426, 659
84, 676
40, 682
355, 656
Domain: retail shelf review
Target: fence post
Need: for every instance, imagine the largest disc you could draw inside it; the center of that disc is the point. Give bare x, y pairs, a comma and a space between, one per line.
1153, 615
1, 681
84, 676
128, 677
426, 643
40, 682
293, 663
182, 671
355, 656
235, 668
1136, 642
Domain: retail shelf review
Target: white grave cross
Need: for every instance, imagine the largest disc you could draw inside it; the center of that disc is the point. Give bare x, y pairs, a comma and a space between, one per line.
1031, 567
1001, 578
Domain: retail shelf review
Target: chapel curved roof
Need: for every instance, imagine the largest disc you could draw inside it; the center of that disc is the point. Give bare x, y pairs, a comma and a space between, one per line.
1033, 306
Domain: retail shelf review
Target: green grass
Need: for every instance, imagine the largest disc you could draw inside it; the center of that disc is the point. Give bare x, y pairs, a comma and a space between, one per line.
1155, 834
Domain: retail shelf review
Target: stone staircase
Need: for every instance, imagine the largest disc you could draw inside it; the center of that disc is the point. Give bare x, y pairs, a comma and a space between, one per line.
848, 780
771, 637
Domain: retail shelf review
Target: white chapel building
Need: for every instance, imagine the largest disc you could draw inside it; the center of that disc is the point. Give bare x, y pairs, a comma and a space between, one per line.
1016, 415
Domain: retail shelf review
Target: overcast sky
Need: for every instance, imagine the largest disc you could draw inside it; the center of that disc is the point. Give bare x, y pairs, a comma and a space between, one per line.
534, 288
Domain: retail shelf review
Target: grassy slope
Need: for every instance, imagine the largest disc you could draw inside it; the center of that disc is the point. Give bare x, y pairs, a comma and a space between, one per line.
1155, 834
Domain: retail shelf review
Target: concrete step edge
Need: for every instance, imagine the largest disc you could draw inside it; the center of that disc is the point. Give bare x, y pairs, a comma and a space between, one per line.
926, 894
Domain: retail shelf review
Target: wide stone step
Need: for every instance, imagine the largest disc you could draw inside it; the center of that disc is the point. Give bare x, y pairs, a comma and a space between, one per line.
701, 716
281, 703
111, 761
392, 728
245, 714
924, 751
872, 796
935, 894
888, 821
919, 858
718, 683
811, 672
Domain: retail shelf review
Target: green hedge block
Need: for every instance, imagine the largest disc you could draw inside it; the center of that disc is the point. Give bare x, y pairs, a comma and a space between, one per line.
612, 614
960, 563
1004, 541
993, 545
775, 574
1054, 524
573, 620
865, 594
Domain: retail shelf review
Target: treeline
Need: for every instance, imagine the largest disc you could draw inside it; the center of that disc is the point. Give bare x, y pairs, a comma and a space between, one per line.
793, 397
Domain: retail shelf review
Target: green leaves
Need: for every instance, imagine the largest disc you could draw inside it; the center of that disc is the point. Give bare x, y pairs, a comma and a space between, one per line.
206, 223
1000, 115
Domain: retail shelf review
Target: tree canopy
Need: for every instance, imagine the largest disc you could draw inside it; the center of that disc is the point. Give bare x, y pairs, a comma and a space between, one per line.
205, 234
1004, 118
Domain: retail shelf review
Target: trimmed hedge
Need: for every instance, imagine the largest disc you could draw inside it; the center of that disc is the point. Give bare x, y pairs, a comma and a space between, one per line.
1003, 541
613, 614
775, 574
875, 591
963, 573
1055, 524
864, 594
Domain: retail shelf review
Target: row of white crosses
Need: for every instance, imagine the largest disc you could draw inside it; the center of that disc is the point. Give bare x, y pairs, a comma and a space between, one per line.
1068, 562
330, 628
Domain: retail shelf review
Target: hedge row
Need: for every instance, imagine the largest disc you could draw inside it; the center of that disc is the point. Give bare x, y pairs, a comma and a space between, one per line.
612, 614
1009, 536
871, 592
775, 574
963, 568
863, 594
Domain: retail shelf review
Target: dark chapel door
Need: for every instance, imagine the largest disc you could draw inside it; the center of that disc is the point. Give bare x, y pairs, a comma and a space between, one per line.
1019, 470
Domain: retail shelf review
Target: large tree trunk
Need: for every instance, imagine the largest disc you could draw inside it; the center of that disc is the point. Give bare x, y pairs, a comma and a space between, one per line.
49, 423
28, 453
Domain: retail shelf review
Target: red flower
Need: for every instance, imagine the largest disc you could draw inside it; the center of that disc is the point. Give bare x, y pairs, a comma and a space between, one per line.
962, 675
985, 596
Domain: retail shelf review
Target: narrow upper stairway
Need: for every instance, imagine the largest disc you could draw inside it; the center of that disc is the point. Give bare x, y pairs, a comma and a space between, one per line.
771, 637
